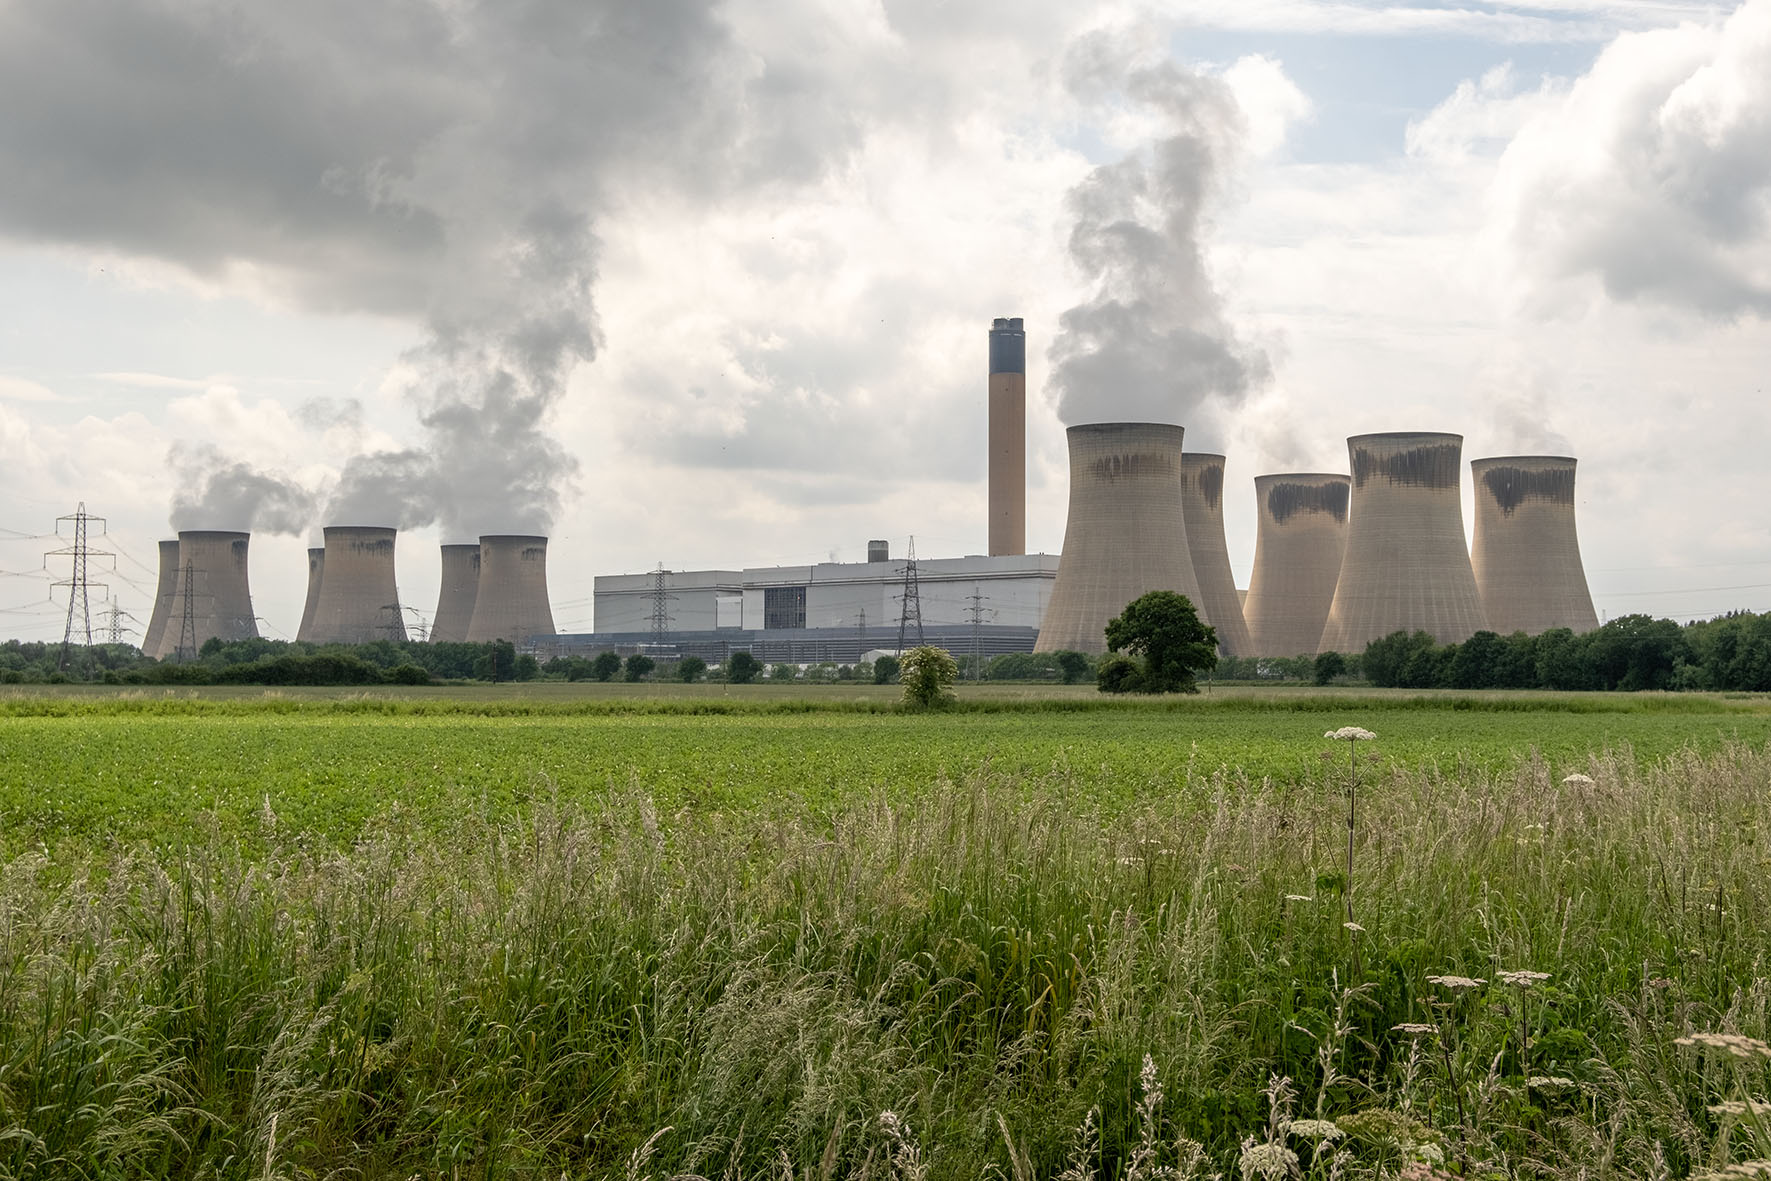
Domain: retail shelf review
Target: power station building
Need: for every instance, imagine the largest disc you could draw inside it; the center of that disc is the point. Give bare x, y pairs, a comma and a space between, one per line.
1525, 552
1300, 535
835, 611
211, 594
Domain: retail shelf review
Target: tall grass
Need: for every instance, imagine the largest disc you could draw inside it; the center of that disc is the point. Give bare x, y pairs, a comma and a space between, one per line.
614, 992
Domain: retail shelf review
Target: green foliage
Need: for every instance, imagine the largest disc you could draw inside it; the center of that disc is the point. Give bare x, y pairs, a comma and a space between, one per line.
742, 668
1164, 631
408, 674
690, 669
1119, 674
605, 666
638, 667
1633, 652
927, 674
784, 672
885, 670
1327, 666
1072, 666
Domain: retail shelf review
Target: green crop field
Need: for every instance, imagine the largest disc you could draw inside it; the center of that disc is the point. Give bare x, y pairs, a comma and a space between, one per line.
131, 768
649, 932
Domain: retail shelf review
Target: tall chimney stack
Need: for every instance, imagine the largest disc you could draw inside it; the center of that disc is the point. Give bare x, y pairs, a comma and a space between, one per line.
1008, 437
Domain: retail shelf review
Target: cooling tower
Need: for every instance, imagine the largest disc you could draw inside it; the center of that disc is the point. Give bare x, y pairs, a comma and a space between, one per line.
163, 594
1525, 553
213, 585
511, 603
1008, 437
359, 600
1299, 538
316, 572
1406, 567
1202, 504
461, 585
1126, 534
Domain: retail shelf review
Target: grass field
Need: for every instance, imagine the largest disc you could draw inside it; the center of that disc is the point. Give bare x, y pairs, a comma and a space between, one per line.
608, 931
138, 767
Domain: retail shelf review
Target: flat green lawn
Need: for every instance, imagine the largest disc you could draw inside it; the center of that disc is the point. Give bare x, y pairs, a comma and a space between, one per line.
87, 767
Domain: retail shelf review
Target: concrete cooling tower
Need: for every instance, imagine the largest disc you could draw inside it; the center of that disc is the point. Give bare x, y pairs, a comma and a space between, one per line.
455, 600
1525, 553
1008, 437
212, 596
316, 572
1202, 504
164, 589
1126, 533
358, 599
1299, 538
511, 603
1406, 567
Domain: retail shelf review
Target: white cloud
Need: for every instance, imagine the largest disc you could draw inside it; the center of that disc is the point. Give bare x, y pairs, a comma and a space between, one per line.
19, 389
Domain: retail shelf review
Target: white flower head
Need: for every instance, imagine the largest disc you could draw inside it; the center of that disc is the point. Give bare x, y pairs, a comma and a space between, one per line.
1351, 734
1315, 1129
1457, 983
1736, 1044
1578, 780
1269, 1161
1414, 1028
1300, 898
1522, 977
1354, 927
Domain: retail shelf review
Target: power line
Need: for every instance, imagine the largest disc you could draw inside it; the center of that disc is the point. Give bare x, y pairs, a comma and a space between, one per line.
977, 599
661, 600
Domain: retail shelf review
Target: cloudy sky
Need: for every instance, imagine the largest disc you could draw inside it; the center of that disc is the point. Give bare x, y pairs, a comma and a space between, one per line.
707, 284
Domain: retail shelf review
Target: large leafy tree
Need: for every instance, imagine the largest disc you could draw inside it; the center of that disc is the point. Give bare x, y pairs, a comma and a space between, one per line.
1163, 630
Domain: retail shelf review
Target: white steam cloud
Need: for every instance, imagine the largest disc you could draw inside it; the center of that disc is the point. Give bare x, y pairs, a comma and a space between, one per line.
1152, 342
213, 493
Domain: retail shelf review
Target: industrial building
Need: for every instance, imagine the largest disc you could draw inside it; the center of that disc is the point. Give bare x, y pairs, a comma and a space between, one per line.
1525, 552
1012, 591
1202, 505
1300, 535
456, 595
1125, 534
211, 595
1406, 567
510, 600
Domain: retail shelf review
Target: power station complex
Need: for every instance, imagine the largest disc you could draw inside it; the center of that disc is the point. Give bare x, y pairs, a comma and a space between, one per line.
1340, 560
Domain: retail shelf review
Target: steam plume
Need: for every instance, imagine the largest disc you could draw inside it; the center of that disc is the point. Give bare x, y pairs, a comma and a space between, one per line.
1152, 343
216, 494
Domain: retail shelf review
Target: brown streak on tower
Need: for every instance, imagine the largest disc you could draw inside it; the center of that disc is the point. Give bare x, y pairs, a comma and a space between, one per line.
359, 599
511, 602
1008, 437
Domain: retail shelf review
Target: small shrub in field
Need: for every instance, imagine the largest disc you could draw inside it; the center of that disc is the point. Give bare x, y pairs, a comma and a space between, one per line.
927, 675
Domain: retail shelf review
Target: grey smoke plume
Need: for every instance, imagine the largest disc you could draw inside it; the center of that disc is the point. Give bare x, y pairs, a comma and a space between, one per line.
441, 163
216, 494
1152, 342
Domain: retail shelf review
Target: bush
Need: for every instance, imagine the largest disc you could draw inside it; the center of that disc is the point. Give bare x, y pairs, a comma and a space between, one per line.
407, 674
885, 670
639, 666
927, 674
690, 669
1119, 674
605, 666
742, 668
1328, 666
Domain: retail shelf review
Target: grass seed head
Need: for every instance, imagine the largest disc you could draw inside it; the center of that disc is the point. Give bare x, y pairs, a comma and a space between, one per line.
1737, 1044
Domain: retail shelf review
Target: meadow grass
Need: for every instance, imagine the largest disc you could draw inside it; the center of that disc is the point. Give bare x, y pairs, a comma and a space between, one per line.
1030, 982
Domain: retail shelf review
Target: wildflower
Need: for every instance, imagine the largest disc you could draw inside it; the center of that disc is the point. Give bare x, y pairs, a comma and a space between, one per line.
1316, 1129
1736, 1044
1457, 983
1354, 927
1755, 1108
1578, 780
1413, 1028
1549, 1082
1267, 1161
1350, 734
1299, 898
1522, 977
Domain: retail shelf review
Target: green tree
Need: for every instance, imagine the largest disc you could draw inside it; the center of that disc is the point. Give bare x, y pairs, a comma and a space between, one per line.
498, 663
1072, 666
690, 668
1327, 666
885, 670
927, 673
605, 666
1164, 631
784, 672
1119, 674
638, 665
742, 668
